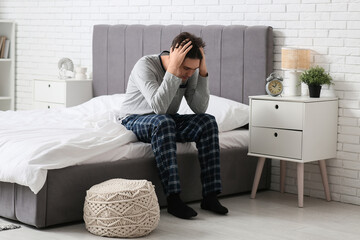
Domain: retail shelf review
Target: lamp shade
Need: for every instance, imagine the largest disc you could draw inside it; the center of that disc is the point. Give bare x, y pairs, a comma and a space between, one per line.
295, 59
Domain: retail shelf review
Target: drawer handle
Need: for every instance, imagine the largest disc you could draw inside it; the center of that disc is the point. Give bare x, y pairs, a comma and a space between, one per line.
49, 85
275, 134
48, 107
276, 106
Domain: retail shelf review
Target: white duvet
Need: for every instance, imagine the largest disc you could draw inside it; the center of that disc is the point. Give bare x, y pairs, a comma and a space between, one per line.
31, 142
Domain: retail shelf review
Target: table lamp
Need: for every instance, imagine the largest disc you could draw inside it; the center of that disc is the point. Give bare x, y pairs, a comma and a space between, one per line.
294, 59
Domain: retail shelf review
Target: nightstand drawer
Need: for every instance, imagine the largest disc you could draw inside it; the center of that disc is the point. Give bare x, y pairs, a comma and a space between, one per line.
48, 105
277, 114
49, 91
276, 142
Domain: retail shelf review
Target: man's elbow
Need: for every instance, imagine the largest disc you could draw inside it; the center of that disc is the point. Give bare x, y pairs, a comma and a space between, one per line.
202, 111
158, 110
199, 110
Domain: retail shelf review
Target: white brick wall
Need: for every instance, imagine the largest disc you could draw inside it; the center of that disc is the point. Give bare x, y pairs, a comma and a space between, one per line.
48, 30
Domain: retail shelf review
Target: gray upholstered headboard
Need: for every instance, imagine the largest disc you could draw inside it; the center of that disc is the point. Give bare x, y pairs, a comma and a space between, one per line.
239, 58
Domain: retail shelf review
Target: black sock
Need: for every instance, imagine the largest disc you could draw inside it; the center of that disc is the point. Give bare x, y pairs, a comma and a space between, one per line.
178, 208
211, 203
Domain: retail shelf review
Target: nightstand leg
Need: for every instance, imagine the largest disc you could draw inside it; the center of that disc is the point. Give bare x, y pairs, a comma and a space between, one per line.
300, 180
282, 175
259, 168
322, 165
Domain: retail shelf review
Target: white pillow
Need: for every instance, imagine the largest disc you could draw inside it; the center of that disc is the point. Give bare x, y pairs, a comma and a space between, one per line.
229, 114
102, 104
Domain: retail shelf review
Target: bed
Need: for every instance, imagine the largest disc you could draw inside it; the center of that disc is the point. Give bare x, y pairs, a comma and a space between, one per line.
238, 57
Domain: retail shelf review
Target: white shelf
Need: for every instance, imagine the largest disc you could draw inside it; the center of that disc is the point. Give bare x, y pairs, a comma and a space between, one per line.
7, 68
5, 98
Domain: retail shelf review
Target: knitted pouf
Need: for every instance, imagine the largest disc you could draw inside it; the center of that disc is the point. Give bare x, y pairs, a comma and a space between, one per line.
121, 208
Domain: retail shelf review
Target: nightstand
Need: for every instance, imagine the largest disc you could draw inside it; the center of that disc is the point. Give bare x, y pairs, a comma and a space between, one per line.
58, 93
296, 129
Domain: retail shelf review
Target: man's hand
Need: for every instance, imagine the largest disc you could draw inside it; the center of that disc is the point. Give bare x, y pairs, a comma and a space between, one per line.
202, 69
177, 56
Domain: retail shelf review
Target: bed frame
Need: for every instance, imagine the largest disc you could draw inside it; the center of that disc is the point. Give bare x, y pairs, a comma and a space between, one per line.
238, 58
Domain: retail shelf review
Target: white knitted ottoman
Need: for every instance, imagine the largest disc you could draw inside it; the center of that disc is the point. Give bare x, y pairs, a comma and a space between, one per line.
121, 208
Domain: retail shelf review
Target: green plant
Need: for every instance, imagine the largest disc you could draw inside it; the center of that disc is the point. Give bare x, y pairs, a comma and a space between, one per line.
316, 76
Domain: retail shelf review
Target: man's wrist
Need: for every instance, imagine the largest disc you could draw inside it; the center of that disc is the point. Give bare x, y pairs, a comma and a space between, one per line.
173, 70
203, 71
204, 74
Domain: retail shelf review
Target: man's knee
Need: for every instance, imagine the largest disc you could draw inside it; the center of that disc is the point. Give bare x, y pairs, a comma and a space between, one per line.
207, 118
165, 121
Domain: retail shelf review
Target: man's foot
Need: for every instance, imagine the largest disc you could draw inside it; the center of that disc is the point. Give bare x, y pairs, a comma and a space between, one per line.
211, 203
178, 208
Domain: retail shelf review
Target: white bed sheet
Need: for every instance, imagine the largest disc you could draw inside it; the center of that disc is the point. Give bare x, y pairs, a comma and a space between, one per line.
227, 140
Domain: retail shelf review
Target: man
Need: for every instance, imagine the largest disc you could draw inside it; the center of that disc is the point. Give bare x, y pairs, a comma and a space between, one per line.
156, 86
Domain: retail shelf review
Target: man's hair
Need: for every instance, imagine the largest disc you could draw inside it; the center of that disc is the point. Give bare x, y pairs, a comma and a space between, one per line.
196, 43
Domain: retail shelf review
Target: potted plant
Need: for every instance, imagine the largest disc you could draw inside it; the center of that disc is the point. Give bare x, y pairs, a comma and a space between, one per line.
315, 77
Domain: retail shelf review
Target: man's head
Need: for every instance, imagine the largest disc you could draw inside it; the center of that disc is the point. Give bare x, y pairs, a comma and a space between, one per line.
193, 57
196, 43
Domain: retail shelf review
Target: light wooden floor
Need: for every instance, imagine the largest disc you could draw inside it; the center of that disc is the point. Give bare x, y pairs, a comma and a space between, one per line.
271, 215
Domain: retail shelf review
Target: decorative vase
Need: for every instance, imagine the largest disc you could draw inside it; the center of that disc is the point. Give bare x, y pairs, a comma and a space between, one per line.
314, 91
80, 73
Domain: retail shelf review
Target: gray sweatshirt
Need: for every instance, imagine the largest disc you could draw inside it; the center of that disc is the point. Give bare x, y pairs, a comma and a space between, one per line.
152, 90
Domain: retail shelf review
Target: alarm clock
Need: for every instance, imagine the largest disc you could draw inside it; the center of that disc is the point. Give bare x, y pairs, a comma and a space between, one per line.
274, 86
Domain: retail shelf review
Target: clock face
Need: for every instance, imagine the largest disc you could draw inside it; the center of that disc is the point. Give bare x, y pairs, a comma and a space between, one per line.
274, 87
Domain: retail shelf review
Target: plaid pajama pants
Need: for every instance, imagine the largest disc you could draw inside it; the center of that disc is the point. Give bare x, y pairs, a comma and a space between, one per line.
163, 131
